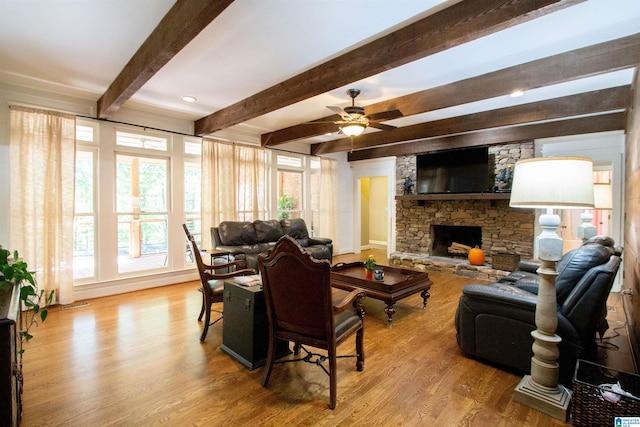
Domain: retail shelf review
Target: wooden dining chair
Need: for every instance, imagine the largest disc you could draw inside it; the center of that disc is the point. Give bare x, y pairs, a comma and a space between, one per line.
213, 283
301, 308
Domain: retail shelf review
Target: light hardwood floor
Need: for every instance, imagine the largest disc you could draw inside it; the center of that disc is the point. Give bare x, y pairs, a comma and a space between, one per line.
136, 359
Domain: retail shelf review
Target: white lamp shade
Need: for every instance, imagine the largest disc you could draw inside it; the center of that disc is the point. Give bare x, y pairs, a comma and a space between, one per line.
353, 129
553, 182
602, 197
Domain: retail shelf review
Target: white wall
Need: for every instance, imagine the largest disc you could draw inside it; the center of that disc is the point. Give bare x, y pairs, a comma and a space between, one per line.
604, 147
345, 242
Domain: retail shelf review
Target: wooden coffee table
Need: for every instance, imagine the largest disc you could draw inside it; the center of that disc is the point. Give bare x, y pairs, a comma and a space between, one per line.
398, 283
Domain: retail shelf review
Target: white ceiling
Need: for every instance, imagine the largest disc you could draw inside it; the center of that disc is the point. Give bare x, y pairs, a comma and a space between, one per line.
78, 47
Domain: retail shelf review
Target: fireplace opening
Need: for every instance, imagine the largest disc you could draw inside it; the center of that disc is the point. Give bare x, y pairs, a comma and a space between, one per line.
444, 236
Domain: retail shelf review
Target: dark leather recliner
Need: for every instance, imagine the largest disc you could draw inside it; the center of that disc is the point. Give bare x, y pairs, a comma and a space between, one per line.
245, 240
494, 322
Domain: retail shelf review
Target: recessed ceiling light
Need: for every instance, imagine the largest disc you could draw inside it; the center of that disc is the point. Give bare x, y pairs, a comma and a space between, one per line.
189, 98
517, 93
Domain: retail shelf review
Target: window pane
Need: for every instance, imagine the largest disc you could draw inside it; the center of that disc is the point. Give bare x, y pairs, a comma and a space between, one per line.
153, 191
141, 141
84, 182
142, 242
83, 247
194, 148
141, 184
289, 194
141, 194
295, 162
192, 187
84, 133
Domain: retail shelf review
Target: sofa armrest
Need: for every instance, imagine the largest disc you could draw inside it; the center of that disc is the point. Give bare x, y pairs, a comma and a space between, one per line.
233, 250
530, 265
506, 296
319, 241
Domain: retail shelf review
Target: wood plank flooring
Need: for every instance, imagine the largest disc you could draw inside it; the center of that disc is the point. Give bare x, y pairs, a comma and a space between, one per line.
136, 359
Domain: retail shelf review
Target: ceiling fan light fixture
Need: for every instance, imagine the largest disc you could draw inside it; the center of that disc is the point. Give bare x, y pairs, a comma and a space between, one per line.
353, 129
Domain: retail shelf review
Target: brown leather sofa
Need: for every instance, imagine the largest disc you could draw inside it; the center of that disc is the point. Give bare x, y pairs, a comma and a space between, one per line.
245, 240
494, 322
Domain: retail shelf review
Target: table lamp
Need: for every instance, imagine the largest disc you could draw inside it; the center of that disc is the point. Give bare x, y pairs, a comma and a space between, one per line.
549, 183
602, 200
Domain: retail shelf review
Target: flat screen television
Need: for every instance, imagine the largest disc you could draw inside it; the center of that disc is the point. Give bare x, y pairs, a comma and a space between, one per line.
454, 171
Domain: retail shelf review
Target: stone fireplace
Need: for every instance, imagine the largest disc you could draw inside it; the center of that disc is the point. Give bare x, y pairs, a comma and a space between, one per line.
502, 229
427, 224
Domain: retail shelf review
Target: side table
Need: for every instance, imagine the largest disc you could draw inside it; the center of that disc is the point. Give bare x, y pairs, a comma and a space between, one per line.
245, 326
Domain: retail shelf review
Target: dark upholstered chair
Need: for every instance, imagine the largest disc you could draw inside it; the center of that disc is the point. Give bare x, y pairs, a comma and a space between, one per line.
212, 283
300, 308
494, 322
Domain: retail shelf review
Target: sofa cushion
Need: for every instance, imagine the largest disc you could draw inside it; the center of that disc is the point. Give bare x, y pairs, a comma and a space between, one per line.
297, 229
236, 233
268, 231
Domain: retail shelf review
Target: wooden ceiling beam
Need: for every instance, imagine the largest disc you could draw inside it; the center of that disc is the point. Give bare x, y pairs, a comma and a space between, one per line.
580, 63
184, 21
460, 23
599, 101
576, 126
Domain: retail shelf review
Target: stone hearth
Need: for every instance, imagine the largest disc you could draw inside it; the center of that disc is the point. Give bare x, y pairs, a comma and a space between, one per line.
457, 266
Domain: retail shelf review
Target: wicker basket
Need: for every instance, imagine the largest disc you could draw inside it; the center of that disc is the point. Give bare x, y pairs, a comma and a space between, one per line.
505, 262
589, 408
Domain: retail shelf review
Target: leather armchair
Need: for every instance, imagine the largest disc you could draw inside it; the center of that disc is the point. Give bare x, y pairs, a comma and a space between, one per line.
494, 322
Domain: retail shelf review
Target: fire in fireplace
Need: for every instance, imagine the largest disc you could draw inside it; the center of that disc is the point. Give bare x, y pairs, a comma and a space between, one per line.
445, 236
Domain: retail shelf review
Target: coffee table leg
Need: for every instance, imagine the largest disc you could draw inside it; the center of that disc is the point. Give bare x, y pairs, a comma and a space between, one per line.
424, 294
390, 310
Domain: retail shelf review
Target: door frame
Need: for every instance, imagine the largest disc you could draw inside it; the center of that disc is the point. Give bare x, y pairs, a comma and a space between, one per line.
369, 168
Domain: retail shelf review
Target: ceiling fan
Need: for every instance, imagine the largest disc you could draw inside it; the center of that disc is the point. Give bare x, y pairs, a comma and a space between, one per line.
353, 120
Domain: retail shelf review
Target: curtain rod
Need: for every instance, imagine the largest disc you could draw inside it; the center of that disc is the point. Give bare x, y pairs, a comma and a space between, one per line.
133, 124
178, 133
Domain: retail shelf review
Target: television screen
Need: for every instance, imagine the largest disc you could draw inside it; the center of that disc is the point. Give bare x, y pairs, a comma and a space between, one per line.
454, 171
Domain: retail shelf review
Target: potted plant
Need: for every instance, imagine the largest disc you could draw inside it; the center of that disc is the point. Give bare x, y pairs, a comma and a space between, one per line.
15, 271
369, 266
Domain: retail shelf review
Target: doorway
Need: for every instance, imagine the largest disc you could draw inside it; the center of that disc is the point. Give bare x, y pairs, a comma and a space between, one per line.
374, 212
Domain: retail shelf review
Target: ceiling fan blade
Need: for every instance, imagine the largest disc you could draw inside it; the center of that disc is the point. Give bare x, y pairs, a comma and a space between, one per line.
381, 126
339, 111
385, 115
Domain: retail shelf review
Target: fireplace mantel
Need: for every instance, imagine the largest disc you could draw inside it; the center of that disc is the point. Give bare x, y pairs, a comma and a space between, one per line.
457, 196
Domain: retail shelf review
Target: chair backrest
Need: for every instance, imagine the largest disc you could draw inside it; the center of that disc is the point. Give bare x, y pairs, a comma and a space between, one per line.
202, 270
583, 306
576, 263
297, 290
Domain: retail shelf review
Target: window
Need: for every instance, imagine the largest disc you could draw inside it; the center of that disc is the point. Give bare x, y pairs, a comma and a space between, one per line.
290, 187
141, 205
192, 192
84, 224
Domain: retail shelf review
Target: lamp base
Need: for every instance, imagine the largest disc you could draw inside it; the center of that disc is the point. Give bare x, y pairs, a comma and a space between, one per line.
552, 401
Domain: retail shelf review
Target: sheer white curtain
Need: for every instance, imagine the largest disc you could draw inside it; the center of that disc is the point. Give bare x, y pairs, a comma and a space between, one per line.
234, 184
42, 182
329, 201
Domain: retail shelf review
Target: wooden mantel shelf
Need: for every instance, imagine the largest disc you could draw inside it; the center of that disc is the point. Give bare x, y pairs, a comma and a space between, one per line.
457, 196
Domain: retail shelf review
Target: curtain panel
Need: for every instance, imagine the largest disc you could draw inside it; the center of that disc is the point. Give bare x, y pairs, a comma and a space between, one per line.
42, 182
329, 201
234, 184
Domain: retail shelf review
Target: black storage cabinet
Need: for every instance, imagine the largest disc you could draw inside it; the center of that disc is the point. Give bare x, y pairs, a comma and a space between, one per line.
10, 358
245, 326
